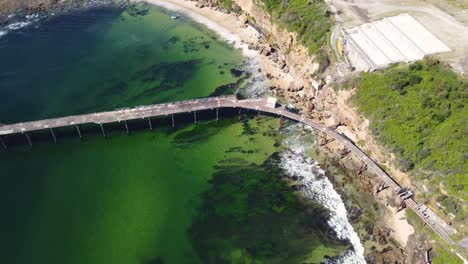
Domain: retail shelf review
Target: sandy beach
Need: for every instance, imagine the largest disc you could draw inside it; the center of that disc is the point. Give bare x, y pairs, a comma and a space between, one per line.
400, 226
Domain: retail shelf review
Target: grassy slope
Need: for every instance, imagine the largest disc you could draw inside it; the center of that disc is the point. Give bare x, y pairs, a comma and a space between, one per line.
419, 112
309, 19
443, 254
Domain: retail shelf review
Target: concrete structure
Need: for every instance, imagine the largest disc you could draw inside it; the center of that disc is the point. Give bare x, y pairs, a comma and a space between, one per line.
271, 102
262, 104
395, 39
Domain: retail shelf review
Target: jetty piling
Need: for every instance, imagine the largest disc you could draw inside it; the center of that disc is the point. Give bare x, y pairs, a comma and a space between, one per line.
150, 124
126, 127
29, 139
53, 135
79, 132
437, 224
3, 143
281, 121
103, 131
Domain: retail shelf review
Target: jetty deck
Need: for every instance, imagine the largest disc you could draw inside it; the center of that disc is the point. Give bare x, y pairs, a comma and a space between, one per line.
144, 112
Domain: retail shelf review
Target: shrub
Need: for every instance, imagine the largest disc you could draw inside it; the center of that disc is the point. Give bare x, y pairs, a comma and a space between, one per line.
419, 112
309, 19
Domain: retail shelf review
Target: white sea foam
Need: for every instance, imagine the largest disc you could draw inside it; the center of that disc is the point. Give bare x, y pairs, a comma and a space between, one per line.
18, 25
29, 19
317, 187
258, 84
12, 27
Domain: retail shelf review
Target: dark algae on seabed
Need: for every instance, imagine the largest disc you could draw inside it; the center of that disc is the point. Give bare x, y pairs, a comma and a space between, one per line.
205, 193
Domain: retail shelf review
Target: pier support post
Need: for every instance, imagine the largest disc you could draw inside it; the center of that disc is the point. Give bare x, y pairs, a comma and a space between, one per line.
53, 135
126, 127
29, 139
281, 122
217, 114
79, 132
402, 206
3, 143
239, 114
102, 129
195, 116
150, 124
173, 122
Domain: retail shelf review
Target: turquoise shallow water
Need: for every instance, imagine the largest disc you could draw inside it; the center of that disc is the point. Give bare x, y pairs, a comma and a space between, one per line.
209, 193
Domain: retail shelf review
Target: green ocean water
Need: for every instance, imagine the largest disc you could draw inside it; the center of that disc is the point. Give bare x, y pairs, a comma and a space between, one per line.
104, 59
205, 193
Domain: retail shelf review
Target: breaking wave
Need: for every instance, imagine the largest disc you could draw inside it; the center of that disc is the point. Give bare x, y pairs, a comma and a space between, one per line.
17, 25
317, 187
17, 21
257, 85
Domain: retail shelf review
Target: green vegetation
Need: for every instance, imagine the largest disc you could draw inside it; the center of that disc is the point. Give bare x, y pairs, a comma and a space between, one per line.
309, 19
229, 6
419, 112
442, 251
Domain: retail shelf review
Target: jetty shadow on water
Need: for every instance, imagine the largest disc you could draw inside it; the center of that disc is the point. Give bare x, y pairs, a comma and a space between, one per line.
64, 135
136, 199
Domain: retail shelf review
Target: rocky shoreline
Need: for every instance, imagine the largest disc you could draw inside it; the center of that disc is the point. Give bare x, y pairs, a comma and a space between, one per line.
17, 11
300, 80
309, 89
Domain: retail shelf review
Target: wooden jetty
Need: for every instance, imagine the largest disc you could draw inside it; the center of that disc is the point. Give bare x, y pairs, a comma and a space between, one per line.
261, 105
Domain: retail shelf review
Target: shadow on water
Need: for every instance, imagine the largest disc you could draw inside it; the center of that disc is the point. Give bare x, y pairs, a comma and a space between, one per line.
251, 214
156, 260
206, 128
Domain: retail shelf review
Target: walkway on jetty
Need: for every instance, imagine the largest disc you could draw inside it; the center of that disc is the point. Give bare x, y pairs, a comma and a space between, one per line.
145, 112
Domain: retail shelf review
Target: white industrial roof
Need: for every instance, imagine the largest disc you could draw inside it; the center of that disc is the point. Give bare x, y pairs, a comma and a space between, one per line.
418, 34
395, 39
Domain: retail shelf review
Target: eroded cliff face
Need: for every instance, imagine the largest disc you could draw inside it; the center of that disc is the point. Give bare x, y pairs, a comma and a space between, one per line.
282, 47
311, 91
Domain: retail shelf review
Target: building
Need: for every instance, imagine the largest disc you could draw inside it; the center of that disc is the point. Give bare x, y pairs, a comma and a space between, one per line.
378, 44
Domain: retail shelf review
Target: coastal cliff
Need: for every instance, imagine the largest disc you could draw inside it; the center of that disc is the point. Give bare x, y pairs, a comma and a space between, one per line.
309, 88
301, 78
